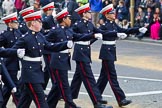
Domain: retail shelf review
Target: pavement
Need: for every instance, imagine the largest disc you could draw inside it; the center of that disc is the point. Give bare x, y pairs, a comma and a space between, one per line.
88, 104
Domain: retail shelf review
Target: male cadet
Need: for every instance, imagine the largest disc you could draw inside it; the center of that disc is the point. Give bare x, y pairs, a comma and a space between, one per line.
7, 39
48, 22
108, 55
32, 64
4, 75
22, 26
60, 61
82, 56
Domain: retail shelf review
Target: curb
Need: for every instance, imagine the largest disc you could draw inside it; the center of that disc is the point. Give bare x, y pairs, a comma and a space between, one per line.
145, 39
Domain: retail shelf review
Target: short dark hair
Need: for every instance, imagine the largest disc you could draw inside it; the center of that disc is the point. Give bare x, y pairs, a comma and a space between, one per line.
61, 20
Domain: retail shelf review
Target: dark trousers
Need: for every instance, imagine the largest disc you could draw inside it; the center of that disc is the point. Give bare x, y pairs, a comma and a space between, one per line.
32, 92
62, 87
84, 73
108, 73
6, 91
46, 70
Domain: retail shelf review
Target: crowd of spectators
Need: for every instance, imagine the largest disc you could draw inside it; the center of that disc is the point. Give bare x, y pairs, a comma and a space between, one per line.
148, 13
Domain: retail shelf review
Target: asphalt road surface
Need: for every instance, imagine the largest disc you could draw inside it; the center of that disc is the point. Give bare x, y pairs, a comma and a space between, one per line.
139, 69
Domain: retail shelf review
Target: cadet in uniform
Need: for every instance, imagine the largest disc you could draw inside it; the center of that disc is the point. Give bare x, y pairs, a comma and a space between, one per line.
108, 55
32, 64
60, 61
48, 22
22, 26
82, 56
7, 39
3, 71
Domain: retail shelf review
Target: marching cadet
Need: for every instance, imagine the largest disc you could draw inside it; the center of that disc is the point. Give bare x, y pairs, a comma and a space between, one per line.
4, 75
32, 64
60, 61
48, 22
82, 57
7, 39
22, 26
108, 55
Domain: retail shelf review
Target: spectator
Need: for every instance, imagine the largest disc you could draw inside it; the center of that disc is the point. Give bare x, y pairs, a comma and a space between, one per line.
155, 26
125, 24
147, 19
82, 2
151, 3
115, 3
44, 2
143, 3
19, 5
31, 2
159, 5
96, 6
65, 4
106, 2
121, 11
139, 18
8, 6
36, 5
71, 7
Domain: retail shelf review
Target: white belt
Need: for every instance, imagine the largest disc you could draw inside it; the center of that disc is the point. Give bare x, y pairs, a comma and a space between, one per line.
83, 42
65, 51
35, 59
109, 42
26, 58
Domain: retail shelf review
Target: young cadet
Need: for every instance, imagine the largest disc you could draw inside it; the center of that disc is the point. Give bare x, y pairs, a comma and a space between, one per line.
48, 22
60, 61
82, 57
22, 26
32, 75
7, 39
3, 71
108, 55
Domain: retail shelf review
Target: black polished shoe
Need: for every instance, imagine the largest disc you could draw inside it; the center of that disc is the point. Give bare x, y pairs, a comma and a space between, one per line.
99, 105
102, 101
67, 106
124, 102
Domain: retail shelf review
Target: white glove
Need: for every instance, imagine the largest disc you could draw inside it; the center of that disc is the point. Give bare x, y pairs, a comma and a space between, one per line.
98, 36
14, 90
122, 35
142, 30
70, 44
20, 53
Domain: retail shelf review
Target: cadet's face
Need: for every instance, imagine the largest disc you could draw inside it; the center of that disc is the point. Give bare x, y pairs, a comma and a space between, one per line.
67, 21
37, 25
88, 15
110, 16
14, 25
50, 11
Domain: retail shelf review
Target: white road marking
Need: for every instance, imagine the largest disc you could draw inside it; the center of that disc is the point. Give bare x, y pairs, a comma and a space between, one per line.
125, 77
127, 94
143, 42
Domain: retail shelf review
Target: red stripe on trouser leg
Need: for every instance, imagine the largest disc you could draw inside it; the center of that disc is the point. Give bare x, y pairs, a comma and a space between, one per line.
89, 86
15, 99
60, 84
35, 96
108, 76
52, 75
